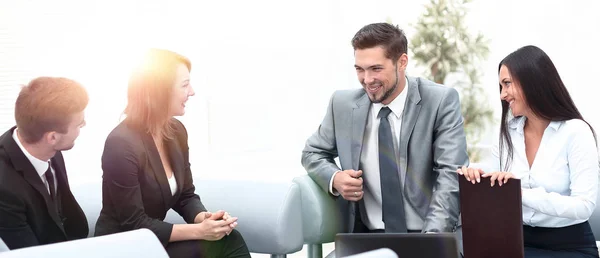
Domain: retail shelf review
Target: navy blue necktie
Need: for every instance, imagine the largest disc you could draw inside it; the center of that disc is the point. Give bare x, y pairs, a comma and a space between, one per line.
391, 191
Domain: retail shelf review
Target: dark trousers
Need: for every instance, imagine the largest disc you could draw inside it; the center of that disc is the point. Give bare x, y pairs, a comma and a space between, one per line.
231, 246
572, 241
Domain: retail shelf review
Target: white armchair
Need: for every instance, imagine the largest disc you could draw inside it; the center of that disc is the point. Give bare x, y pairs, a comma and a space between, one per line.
3, 247
136, 243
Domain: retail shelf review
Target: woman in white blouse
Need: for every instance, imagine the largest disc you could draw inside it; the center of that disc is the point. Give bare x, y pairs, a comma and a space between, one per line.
549, 146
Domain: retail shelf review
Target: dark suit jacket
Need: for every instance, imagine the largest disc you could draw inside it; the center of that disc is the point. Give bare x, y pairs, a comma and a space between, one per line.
27, 214
135, 190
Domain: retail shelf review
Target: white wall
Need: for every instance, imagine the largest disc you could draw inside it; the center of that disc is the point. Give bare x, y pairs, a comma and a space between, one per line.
263, 70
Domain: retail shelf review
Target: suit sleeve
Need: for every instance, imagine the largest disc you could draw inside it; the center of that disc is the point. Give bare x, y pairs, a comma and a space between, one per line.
189, 204
14, 228
449, 153
120, 166
321, 150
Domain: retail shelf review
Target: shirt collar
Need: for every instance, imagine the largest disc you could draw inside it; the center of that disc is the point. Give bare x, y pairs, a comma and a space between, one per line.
555, 125
397, 105
39, 165
518, 123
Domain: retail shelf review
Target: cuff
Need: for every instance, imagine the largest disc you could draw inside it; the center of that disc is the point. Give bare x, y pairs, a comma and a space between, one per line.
331, 190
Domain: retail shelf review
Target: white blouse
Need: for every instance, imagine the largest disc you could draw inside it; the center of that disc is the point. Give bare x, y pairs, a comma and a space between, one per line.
561, 187
172, 184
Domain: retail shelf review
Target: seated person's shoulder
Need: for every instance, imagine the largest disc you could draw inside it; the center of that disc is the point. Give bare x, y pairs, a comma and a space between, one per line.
7, 171
10, 180
123, 137
575, 127
123, 130
178, 126
11, 185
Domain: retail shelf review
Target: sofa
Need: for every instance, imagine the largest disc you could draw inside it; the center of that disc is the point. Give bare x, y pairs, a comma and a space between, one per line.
276, 218
269, 213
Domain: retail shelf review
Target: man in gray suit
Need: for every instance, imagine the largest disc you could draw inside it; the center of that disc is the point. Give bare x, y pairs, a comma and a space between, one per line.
399, 140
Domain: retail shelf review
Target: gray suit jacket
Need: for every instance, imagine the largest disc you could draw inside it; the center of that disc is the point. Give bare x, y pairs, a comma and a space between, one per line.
432, 148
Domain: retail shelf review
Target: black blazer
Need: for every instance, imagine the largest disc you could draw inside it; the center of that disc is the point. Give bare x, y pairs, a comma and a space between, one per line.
135, 190
26, 218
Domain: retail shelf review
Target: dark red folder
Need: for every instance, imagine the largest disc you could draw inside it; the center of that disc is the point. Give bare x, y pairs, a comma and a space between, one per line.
491, 219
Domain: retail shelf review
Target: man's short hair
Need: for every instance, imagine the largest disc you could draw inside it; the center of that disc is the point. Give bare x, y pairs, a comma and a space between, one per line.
47, 104
385, 35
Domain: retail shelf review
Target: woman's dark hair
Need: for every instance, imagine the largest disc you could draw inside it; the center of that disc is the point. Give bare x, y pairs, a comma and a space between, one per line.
543, 90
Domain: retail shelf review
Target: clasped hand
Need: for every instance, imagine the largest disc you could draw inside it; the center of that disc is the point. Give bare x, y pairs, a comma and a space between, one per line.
214, 226
349, 184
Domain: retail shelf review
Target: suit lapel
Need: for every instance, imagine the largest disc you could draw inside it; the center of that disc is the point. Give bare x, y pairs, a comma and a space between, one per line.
34, 180
73, 218
359, 121
177, 164
157, 169
409, 119
22, 164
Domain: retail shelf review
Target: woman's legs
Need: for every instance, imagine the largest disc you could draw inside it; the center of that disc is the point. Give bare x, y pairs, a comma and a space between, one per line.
231, 246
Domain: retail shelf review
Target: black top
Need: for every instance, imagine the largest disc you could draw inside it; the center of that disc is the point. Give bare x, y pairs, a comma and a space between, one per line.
28, 215
135, 188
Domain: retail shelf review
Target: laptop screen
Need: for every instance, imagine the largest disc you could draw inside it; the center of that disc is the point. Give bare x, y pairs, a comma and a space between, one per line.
406, 245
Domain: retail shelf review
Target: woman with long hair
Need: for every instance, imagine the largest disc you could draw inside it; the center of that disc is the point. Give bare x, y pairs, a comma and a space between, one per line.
146, 168
545, 142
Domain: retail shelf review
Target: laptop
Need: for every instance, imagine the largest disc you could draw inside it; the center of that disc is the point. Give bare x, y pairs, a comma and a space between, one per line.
405, 245
379, 253
491, 219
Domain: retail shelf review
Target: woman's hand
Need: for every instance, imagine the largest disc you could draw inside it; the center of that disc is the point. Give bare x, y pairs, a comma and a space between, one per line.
201, 216
226, 216
471, 174
502, 177
216, 226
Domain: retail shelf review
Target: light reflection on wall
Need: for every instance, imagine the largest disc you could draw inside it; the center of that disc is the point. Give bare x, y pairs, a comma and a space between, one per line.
263, 78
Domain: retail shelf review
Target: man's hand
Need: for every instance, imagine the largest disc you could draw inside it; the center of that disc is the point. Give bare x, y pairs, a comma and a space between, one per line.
349, 184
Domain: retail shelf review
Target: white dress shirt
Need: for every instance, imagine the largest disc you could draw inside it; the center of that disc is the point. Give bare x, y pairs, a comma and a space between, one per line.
172, 184
561, 187
369, 163
40, 166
